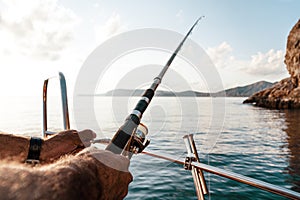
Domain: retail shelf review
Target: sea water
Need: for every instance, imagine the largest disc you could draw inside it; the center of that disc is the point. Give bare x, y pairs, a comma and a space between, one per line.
255, 142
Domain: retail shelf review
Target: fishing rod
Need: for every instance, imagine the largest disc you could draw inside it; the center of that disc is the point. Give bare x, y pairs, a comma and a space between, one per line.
130, 138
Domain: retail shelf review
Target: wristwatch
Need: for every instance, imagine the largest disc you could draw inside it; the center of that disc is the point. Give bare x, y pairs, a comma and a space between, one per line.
34, 150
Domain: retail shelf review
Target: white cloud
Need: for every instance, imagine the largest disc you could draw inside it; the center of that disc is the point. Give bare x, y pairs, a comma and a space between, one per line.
221, 55
269, 63
261, 64
38, 29
112, 26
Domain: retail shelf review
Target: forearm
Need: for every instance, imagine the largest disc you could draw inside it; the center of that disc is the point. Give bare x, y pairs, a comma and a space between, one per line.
13, 147
85, 176
16, 148
69, 178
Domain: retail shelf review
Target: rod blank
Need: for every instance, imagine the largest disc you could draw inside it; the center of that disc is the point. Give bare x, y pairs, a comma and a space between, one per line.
122, 138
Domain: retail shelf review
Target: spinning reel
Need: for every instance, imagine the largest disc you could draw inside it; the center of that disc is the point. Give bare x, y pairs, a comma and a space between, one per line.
136, 144
138, 141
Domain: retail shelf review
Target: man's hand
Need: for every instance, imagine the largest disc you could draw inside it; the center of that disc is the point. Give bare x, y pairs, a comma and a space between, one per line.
112, 171
65, 142
91, 174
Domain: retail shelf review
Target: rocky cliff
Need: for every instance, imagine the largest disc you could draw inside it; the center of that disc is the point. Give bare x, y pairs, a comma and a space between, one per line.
286, 93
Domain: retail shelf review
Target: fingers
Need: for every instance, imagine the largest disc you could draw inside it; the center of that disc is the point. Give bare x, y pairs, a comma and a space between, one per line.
86, 136
76, 139
81, 138
111, 160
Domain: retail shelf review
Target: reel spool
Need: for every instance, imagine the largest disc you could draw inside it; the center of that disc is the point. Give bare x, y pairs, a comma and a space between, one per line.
139, 141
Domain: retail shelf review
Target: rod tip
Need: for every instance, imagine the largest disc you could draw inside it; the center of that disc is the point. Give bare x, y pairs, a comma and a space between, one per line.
203, 16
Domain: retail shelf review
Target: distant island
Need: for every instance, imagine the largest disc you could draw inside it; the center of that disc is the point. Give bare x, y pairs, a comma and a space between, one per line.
241, 91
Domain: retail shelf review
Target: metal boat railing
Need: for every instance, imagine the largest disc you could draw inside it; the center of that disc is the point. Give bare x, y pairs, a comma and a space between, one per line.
192, 161
64, 101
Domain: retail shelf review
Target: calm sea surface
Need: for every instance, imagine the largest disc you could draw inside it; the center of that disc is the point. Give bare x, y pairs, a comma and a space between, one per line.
256, 142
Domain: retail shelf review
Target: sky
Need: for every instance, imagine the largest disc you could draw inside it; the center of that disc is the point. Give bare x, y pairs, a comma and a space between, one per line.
244, 39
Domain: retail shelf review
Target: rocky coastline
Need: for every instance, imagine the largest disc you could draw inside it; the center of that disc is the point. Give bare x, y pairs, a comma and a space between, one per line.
286, 93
